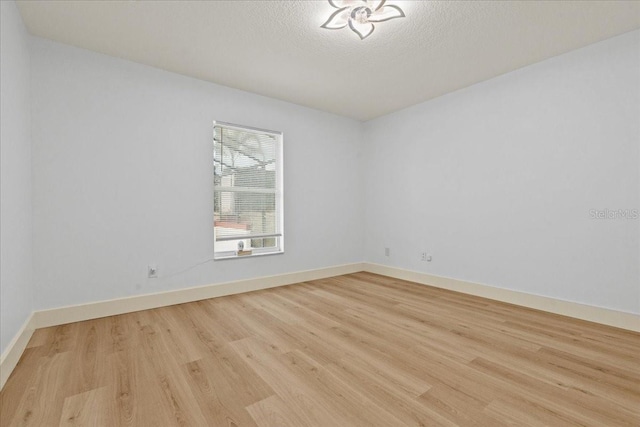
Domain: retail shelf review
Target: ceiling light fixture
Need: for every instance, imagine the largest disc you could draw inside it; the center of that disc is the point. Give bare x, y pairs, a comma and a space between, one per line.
360, 15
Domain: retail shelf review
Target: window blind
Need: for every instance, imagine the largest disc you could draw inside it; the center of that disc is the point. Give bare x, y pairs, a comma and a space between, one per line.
247, 188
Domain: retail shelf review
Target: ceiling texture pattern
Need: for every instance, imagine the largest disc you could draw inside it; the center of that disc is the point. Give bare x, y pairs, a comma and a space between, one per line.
277, 48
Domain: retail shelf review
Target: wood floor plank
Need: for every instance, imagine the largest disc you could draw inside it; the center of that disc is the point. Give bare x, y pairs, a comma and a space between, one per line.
458, 407
215, 395
90, 357
273, 411
303, 400
19, 382
406, 409
576, 404
521, 412
125, 386
353, 350
167, 379
86, 409
352, 404
41, 403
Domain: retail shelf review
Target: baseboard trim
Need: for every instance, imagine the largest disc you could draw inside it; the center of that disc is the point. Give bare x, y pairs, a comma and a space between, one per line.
94, 310
605, 316
11, 355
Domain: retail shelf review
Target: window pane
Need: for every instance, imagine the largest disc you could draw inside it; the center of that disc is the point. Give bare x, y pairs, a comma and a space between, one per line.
248, 189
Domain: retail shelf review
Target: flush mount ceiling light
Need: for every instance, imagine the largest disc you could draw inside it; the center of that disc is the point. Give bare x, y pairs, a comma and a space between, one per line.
360, 15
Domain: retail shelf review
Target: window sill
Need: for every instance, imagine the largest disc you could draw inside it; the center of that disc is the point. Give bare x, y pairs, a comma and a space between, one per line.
221, 257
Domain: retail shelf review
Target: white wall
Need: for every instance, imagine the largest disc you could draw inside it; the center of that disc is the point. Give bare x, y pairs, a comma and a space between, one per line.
497, 185
497, 181
16, 287
122, 160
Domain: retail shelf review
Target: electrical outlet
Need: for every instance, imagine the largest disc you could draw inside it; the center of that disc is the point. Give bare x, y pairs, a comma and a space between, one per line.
424, 256
152, 271
387, 251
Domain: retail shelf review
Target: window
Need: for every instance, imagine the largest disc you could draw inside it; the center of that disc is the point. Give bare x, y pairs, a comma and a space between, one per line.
248, 219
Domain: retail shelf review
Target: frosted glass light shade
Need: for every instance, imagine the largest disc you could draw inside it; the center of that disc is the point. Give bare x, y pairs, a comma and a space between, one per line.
360, 15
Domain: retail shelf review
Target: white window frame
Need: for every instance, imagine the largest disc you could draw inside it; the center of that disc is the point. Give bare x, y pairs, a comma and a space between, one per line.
279, 196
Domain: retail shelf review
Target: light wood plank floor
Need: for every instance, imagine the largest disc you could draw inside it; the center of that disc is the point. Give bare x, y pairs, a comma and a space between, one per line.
355, 350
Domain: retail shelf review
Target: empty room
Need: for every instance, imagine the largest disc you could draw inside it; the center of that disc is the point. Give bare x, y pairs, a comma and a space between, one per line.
323, 213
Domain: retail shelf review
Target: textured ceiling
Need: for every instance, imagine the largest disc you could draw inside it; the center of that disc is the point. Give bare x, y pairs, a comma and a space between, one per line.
277, 48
